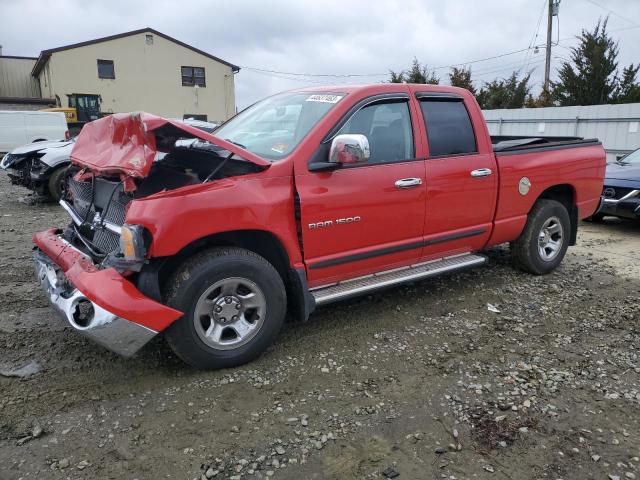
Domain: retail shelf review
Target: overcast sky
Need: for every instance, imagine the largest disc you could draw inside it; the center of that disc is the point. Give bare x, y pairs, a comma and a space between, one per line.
329, 37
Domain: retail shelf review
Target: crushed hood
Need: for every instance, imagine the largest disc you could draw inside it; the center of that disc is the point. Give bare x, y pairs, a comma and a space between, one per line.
127, 143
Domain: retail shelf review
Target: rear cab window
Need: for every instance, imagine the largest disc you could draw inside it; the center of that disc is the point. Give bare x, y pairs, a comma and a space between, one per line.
449, 128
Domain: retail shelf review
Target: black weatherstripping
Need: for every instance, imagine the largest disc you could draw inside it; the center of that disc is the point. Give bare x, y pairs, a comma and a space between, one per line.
455, 236
400, 248
441, 96
542, 146
381, 98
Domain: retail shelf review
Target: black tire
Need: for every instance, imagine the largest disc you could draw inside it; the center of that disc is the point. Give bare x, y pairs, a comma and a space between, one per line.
524, 250
56, 182
190, 282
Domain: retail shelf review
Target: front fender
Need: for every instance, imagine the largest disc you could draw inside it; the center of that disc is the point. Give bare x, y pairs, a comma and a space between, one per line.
180, 217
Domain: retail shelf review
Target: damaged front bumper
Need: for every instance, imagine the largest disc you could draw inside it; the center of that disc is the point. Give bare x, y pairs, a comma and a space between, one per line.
100, 304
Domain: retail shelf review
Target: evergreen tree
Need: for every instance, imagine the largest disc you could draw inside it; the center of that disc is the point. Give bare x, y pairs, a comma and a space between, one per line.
542, 100
416, 74
396, 77
591, 76
628, 89
508, 92
461, 77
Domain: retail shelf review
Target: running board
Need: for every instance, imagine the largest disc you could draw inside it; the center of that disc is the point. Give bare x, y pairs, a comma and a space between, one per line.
357, 286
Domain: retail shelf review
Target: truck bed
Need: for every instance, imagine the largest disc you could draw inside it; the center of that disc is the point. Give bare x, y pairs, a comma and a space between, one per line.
522, 144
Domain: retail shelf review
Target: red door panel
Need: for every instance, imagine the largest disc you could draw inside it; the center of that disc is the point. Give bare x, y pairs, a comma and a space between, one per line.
460, 206
356, 221
462, 175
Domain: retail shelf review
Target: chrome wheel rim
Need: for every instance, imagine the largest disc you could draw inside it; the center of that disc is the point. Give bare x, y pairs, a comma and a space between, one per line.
230, 313
550, 239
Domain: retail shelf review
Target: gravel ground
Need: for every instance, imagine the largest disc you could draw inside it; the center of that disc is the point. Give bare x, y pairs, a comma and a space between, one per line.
491, 373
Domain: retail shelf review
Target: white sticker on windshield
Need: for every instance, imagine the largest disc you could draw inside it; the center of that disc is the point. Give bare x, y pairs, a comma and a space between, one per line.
324, 98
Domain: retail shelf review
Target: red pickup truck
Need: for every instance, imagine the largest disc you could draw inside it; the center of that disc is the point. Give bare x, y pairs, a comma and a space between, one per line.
302, 199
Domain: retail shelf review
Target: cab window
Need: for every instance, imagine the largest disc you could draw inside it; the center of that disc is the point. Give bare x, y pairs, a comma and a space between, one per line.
449, 129
387, 126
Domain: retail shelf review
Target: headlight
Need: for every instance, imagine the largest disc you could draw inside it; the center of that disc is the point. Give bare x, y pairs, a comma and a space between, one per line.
132, 242
11, 160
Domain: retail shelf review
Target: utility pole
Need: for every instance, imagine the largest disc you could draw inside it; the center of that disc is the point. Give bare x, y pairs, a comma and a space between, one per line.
553, 11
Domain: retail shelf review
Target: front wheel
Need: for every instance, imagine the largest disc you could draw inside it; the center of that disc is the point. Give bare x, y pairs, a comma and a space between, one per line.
545, 238
234, 304
56, 181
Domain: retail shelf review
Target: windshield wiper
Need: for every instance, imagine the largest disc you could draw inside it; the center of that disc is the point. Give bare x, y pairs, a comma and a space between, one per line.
236, 143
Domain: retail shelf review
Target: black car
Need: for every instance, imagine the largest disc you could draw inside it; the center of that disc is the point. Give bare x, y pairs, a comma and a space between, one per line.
621, 192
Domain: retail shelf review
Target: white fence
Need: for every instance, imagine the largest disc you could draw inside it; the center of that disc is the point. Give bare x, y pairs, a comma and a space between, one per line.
616, 126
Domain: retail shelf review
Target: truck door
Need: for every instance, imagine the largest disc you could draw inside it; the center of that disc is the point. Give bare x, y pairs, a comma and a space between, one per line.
461, 176
367, 217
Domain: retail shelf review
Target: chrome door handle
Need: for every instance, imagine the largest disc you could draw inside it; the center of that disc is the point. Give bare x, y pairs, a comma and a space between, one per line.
408, 182
481, 172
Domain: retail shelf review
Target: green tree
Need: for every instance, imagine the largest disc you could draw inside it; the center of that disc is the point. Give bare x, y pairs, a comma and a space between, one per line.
590, 78
396, 77
508, 92
628, 89
542, 100
417, 73
461, 77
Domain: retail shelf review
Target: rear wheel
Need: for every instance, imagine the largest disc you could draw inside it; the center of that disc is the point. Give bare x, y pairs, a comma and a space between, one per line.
545, 239
234, 304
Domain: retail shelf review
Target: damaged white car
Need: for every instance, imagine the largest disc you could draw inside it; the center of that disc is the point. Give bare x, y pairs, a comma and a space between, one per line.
42, 166
39, 166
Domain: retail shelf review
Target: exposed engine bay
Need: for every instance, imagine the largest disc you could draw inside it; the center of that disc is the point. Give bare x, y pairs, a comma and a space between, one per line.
97, 203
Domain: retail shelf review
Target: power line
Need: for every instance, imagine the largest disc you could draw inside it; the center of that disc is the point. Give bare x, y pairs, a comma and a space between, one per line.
613, 12
441, 67
347, 75
335, 75
528, 56
533, 64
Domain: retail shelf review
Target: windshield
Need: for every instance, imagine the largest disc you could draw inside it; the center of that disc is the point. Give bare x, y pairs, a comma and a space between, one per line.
273, 127
633, 158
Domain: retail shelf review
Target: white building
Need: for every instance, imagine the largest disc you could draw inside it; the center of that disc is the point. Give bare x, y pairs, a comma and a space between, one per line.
141, 70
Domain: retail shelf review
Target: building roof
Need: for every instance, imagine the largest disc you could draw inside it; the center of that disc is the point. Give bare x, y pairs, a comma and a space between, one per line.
17, 57
46, 54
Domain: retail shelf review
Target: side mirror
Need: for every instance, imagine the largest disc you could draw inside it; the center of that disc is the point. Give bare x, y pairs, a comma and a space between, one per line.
349, 149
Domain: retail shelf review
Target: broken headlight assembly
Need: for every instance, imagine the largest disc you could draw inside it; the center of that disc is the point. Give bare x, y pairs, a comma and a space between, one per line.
133, 245
132, 251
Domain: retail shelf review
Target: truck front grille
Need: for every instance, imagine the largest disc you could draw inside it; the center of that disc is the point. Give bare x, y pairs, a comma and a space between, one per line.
81, 193
106, 240
102, 201
115, 214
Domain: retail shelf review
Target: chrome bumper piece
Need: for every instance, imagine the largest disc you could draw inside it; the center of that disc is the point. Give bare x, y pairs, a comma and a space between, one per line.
103, 327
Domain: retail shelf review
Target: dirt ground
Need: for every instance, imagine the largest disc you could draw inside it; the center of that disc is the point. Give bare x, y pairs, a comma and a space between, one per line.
425, 381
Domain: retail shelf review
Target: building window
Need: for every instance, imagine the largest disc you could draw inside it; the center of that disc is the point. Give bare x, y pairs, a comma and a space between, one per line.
148, 38
105, 69
192, 76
